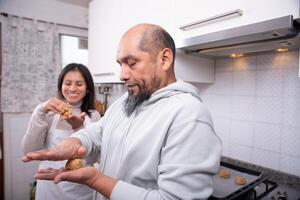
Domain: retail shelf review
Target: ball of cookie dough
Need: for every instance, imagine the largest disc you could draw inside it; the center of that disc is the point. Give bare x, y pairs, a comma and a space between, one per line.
240, 180
66, 111
74, 164
224, 173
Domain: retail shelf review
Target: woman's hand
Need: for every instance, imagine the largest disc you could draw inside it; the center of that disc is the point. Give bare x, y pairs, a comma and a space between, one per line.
55, 105
76, 121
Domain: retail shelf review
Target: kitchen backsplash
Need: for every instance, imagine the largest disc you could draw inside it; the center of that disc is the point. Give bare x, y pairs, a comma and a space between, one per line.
255, 105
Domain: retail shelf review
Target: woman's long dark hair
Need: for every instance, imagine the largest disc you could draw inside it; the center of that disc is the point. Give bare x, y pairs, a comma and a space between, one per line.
88, 101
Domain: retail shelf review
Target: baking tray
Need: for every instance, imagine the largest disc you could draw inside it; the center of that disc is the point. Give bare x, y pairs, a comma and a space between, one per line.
226, 189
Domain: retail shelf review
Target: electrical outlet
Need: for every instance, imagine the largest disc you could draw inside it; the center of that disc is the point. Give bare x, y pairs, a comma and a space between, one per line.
104, 89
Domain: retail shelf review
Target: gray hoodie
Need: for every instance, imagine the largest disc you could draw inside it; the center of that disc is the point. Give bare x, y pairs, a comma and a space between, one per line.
167, 149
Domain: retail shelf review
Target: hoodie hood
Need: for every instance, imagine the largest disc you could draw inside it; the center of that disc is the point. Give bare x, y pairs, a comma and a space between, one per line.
175, 88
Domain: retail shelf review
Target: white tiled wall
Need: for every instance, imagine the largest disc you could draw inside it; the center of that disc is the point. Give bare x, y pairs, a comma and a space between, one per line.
255, 103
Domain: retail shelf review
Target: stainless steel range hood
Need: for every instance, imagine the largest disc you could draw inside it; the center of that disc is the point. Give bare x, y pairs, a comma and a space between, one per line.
253, 38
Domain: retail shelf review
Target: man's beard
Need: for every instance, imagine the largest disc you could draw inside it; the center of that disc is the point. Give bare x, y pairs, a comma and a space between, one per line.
132, 102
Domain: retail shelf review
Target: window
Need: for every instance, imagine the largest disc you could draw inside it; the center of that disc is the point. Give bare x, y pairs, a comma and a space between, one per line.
73, 50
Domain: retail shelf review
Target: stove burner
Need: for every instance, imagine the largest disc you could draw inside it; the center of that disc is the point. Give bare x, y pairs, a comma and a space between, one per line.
280, 196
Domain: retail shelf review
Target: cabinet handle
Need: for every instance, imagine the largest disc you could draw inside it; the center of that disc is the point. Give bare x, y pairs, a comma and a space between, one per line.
105, 74
209, 19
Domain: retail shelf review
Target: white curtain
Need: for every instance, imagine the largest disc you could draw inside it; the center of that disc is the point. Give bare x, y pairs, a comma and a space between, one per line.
31, 63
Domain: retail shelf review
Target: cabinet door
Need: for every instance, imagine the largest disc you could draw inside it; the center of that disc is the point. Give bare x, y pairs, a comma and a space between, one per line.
148, 11
253, 11
104, 36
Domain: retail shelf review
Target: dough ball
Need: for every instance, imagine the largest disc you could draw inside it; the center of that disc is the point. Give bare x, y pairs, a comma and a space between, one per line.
224, 173
240, 180
74, 164
66, 111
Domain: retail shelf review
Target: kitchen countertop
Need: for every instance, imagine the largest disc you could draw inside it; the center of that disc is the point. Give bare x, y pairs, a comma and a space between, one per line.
277, 176
286, 182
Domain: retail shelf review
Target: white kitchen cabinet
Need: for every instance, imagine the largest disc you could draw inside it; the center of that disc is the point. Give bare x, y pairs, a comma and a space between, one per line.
104, 35
252, 11
109, 19
148, 11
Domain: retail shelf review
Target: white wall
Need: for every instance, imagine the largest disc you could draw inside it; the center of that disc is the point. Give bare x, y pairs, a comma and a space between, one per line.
255, 105
47, 10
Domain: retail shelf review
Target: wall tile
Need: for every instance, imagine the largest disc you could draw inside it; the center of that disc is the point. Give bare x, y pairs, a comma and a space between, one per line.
291, 111
221, 105
244, 63
268, 109
224, 65
290, 164
278, 60
291, 82
204, 88
222, 128
266, 158
242, 133
267, 136
207, 100
244, 83
223, 84
243, 107
269, 83
290, 141
241, 152
226, 148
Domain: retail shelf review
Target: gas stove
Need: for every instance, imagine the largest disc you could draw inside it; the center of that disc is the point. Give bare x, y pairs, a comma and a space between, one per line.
284, 192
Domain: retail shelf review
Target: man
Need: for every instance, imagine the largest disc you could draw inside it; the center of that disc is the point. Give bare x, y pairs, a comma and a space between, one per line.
155, 142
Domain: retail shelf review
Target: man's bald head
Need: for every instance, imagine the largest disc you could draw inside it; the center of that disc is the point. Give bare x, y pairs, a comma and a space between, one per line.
152, 38
146, 56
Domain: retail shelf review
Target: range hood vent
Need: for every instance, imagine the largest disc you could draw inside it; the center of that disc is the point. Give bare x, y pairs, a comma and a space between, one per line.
253, 38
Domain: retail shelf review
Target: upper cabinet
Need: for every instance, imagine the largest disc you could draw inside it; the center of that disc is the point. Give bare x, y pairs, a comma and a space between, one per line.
108, 21
104, 36
148, 11
220, 15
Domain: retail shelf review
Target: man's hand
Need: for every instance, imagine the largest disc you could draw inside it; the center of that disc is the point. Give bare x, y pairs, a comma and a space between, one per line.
70, 148
86, 175
89, 176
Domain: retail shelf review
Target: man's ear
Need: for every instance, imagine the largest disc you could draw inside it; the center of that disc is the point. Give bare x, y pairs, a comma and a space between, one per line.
166, 57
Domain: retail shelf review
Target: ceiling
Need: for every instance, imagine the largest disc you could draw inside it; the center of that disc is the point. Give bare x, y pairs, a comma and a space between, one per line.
82, 3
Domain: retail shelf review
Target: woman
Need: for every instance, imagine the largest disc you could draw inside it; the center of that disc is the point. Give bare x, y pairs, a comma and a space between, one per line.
56, 119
